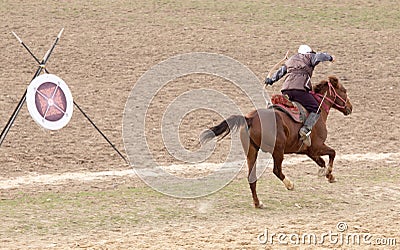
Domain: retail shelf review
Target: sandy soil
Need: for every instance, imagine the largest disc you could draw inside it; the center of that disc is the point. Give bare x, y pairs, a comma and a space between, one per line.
107, 46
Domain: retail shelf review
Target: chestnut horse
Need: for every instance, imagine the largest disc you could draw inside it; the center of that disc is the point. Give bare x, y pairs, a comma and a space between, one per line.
259, 131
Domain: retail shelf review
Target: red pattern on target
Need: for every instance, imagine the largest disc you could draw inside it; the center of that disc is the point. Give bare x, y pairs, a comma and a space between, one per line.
50, 101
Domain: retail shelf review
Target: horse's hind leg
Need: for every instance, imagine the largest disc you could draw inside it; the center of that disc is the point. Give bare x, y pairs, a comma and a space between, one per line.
252, 176
278, 159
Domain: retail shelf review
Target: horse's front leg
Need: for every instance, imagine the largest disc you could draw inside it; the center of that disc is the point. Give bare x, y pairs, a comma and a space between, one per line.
320, 162
332, 153
325, 150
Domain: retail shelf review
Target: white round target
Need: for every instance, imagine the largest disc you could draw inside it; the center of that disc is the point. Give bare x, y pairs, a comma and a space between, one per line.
49, 101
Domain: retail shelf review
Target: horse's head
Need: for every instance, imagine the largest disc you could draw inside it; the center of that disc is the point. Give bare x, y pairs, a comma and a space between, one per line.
336, 94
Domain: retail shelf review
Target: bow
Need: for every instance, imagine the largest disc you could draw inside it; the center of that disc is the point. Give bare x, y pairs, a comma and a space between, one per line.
278, 64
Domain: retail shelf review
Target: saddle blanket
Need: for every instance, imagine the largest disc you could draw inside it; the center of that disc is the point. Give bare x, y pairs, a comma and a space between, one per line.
294, 109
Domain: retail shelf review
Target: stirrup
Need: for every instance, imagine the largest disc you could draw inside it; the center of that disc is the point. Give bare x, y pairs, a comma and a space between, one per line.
307, 141
305, 137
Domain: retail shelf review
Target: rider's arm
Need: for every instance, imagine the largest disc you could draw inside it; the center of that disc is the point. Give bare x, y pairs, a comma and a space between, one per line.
320, 57
277, 75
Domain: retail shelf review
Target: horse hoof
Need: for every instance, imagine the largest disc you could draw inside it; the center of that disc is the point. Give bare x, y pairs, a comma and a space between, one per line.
288, 184
332, 179
322, 172
260, 205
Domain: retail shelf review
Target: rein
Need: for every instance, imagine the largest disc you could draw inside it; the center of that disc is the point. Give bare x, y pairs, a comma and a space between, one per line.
332, 92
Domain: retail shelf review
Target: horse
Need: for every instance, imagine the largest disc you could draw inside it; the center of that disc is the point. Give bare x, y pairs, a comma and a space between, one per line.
259, 131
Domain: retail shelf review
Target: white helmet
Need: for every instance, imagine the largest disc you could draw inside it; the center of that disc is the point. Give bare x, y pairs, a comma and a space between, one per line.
304, 49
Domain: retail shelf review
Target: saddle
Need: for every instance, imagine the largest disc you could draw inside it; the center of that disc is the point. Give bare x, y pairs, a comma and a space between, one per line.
295, 110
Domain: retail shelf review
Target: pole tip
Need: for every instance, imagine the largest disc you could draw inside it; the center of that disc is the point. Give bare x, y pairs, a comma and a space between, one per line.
19, 39
59, 34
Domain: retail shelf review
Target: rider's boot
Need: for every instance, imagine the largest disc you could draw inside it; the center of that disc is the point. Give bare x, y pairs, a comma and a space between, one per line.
305, 131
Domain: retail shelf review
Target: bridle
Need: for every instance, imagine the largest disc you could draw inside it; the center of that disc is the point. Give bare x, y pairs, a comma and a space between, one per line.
332, 92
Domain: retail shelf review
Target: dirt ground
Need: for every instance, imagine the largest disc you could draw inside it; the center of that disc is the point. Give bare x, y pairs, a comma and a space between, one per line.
108, 45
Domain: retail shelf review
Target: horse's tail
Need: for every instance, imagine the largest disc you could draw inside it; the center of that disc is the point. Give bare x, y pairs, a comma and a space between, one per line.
223, 129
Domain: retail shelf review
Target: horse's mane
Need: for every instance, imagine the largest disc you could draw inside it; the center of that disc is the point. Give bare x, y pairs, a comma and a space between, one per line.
322, 85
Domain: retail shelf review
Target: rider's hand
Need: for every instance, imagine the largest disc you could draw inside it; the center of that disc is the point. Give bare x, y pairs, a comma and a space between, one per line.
268, 81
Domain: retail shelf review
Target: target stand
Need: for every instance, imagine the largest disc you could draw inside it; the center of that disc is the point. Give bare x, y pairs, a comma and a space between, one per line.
49, 100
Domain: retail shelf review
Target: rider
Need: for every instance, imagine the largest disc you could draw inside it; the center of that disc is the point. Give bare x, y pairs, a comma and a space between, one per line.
299, 69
